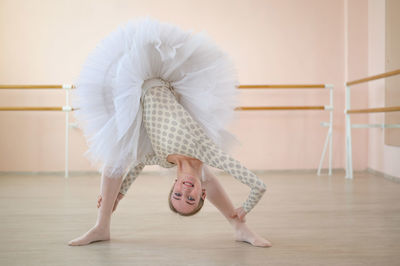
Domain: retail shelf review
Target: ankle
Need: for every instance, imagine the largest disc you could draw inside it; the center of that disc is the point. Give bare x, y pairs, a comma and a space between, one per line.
236, 224
103, 226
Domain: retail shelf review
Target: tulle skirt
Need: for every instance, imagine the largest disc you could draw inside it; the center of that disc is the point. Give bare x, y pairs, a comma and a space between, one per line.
109, 88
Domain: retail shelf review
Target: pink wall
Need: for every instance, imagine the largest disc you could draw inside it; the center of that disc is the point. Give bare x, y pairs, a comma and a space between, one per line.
357, 67
381, 157
271, 41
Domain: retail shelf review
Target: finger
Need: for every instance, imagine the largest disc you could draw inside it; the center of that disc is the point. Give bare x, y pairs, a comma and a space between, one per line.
115, 206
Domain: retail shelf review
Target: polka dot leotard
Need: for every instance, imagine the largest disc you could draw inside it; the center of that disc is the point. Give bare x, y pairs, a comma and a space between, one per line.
172, 130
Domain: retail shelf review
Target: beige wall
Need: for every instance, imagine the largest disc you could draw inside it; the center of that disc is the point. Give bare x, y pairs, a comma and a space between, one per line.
271, 41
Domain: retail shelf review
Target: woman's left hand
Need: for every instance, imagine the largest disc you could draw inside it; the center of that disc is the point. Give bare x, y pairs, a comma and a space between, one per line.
119, 197
240, 214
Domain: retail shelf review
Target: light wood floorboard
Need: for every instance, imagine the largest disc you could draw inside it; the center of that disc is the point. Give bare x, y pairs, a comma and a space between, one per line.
310, 219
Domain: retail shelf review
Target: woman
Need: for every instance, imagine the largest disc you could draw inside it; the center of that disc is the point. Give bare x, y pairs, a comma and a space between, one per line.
215, 194
152, 94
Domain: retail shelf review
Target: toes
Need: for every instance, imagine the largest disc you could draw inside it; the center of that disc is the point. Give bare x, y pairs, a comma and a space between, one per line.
72, 243
77, 241
260, 243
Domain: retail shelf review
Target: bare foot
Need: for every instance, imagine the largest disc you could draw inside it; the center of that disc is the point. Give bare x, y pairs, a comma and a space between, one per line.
244, 234
93, 235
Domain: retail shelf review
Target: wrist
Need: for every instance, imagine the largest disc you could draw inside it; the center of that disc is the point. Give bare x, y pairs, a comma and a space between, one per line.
246, 208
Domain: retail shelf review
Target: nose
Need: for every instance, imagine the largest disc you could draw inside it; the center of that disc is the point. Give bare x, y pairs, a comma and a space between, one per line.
187, 189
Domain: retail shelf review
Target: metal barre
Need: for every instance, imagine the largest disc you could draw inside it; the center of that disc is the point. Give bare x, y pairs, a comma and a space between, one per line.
300, 86
348, 112
68, 108
267, 86
240, 108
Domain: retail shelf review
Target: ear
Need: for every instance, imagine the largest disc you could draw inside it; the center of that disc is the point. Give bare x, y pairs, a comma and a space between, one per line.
203, 194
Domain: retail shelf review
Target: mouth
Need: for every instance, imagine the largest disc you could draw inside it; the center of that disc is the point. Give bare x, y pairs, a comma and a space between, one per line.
188, 184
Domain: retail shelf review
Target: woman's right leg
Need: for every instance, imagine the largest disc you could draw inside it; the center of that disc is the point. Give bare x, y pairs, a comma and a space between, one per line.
101, 230
218, 197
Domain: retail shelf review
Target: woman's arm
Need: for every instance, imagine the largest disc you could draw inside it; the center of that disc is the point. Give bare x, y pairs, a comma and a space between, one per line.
215, 157
151, 159
244, 175
130, 177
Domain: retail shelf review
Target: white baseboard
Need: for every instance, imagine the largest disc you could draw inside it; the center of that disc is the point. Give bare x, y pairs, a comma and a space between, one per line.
381, 174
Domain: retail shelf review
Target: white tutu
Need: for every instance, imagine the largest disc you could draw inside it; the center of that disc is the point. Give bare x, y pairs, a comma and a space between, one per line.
109, 88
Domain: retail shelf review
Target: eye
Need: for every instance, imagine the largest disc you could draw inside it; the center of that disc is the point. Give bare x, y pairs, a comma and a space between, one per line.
178, 194
191, 198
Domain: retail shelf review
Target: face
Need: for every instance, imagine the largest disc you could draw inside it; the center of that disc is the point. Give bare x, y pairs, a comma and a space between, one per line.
187, 193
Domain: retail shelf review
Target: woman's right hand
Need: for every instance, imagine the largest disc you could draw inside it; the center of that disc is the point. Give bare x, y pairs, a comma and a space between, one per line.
239, 214
119, 197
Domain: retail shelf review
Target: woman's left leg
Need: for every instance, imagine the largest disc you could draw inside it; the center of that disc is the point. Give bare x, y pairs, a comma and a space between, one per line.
218, 197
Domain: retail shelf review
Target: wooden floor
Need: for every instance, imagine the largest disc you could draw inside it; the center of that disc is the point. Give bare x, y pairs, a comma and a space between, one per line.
310, 220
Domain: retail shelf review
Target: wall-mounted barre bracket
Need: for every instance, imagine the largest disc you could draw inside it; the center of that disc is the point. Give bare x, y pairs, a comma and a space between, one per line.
68, 86
67, 108
74, 125
325, 124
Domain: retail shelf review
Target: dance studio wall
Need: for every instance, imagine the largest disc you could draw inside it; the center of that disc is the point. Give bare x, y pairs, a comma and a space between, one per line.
381, 157
270, 41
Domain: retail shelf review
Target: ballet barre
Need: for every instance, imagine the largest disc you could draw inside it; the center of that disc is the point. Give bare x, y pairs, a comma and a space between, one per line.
66, 108
292, 108
348, 111
21, 87
280, 108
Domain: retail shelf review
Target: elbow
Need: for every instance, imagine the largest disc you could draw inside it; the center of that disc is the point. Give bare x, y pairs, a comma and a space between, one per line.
263, 188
